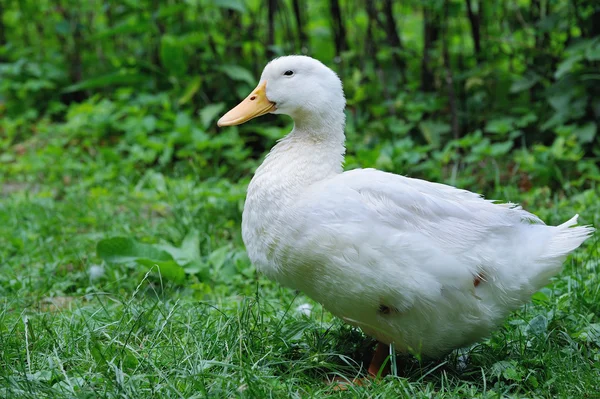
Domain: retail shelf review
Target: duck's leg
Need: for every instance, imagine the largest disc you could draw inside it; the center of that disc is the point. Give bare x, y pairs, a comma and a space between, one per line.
381, 353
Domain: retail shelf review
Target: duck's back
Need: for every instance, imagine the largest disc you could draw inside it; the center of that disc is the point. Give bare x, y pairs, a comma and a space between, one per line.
424, 265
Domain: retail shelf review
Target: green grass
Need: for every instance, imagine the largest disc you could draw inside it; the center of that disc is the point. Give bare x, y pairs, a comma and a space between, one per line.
74, 326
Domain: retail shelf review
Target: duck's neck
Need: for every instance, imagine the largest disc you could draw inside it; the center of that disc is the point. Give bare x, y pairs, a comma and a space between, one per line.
312, 151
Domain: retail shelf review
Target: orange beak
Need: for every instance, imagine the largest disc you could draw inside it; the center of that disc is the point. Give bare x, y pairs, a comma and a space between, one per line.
256, 104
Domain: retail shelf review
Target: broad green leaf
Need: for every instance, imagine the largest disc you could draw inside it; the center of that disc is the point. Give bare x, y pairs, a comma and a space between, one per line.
191, 244
189, 250
129, 27
513, 374
400, 127
209, 113
500, 125
499, 367
586, 133
125, 249
168, 269
63, 28
538, 325
591, 333
567, 66
592, 53
119, 78
498, 149
540, 297
172, 55
170, 10
526, 119
236, 5
183, 121
525, 83
218, 257
195, 267
220, 262
239, 73
560, 101
149, 123
191, 89
433, 130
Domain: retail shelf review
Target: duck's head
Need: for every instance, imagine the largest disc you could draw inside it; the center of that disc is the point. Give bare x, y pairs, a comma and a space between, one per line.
298, 86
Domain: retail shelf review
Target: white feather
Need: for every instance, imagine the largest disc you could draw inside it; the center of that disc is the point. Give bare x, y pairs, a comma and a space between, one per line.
395, 256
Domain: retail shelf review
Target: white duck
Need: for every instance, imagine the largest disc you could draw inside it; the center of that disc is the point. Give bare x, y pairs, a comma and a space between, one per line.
425, 266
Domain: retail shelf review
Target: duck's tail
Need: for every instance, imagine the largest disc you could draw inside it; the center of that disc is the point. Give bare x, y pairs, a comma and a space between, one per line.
564, 240
567, 238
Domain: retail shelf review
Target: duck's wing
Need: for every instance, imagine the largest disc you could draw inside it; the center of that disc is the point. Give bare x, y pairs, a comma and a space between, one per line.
443, 218
426, 236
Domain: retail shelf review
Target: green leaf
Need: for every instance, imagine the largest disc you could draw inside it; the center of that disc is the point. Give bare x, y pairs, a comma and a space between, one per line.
152, 257
189, 250
499, 367
238, 73
209, 113
591, 333
191, 89
538, 325
168, 269
432, 131
592, 53
511, 373
236, 5
498, 149
540, 297
129, 27
124, 250
218, 257
221, 265
119, 78
191, 244
170, 10
63, 28
500, 125
586, 133
567, 66
196, 267
172, 55
525, 83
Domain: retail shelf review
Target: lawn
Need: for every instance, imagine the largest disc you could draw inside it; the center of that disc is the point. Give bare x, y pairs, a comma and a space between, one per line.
122, 268
73, 324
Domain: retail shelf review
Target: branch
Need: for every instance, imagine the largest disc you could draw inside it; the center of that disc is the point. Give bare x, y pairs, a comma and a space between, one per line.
474, 20
449, 76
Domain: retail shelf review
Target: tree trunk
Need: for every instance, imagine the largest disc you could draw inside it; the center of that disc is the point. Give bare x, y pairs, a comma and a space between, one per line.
452, 100
155, 52
595, 23
302, 38
339, 29
271, 10
2, 27
393, 38
3, 40
430, 35
370, 43
73, 52
475, 30
76, 65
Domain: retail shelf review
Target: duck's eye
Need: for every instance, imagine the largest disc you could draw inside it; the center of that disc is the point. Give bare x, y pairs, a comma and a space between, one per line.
288, 73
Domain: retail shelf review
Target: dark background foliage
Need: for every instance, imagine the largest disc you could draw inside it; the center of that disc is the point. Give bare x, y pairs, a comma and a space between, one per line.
112, 169
444, 89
